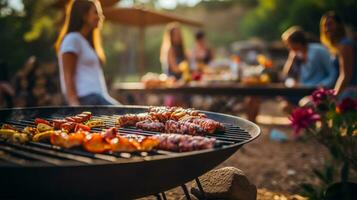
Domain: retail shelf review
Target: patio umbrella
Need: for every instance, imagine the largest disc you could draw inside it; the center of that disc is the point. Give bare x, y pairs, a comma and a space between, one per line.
105, 3
142, 18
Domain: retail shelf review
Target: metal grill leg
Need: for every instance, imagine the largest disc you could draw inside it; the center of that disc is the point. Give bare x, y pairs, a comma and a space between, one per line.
163, 195
187, 194
200, 188
158, 196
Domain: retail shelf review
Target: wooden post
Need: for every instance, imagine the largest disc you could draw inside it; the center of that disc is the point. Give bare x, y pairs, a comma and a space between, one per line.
142, 50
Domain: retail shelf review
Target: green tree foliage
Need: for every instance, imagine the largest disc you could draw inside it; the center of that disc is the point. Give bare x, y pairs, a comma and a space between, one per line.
271, 17
27, 32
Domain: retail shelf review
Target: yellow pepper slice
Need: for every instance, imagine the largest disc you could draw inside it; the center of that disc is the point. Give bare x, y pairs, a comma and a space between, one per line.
95, 123
43, 136
7, 133
43, 127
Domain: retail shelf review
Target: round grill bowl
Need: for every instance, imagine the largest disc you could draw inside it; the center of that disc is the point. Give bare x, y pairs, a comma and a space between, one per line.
122, 179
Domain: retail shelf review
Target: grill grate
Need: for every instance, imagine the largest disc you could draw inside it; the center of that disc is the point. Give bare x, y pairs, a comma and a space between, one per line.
76, 174
37, 153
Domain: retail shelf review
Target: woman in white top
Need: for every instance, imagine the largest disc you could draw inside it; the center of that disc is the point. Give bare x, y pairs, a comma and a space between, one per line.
81, 55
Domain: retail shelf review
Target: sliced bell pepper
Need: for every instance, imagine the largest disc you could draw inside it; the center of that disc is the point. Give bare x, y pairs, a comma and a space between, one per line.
43, 136
42, 121
83, 127
41, 127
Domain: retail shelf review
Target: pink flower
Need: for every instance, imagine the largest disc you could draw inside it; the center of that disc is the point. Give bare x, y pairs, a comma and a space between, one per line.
321, 95
348, 104
302, 118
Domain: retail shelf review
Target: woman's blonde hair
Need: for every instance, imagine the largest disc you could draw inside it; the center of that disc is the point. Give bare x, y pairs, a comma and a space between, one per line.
331, 43
75, 10
167, 42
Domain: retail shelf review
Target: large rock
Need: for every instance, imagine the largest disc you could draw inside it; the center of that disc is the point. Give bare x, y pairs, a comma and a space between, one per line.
226, 183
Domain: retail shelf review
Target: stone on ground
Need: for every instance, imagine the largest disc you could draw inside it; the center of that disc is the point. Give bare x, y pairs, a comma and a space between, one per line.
226, 183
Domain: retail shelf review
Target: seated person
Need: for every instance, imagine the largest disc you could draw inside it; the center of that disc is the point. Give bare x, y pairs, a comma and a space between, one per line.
344, 52
201, 52
171, 55
312, 60
172, 50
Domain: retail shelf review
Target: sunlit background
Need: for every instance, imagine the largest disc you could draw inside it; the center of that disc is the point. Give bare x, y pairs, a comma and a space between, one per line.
29, 28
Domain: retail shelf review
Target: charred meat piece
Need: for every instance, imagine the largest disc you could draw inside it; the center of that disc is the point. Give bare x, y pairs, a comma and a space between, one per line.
183, 128
162, 108
174, 113
132, 119
183, 143
162, 115
68, 126
208, 125
57, 123
151, 125
109, 133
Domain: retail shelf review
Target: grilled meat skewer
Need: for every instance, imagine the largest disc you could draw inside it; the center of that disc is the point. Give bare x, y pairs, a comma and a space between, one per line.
184, 143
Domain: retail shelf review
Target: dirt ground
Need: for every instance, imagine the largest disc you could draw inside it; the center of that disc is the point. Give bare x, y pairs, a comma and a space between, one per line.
272, 165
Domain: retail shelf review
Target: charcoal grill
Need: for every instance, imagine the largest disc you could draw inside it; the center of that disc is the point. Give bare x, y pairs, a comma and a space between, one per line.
40, 170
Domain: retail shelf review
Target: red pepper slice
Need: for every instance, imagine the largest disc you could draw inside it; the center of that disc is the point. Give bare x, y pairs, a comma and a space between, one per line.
42, 121
81, 127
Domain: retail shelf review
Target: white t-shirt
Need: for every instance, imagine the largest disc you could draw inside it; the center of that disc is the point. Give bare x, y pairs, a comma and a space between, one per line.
89, 77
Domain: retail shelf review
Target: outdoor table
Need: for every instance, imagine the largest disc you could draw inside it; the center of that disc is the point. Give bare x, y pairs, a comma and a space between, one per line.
217, 88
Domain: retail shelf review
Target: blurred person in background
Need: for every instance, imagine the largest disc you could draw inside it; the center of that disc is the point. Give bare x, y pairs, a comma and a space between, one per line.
172, 57
81, 56
312, 62
6, 91
344, 51
172, 50
201, 53
24, 82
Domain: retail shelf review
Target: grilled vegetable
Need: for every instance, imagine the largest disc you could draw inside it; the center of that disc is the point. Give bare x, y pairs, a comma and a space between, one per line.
8, 126
7, 133
95, 123
41, 121
29, 130
82, 127
41, 127
43, 136
19, 138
